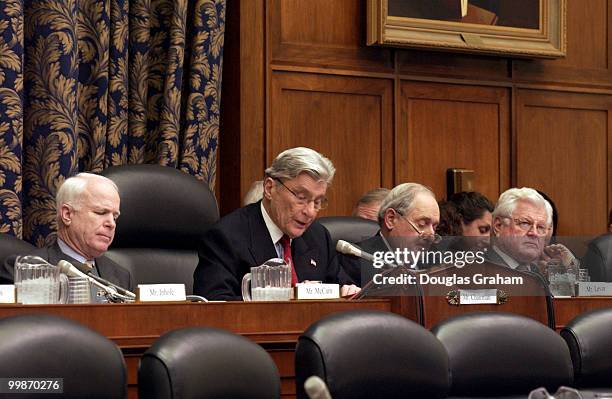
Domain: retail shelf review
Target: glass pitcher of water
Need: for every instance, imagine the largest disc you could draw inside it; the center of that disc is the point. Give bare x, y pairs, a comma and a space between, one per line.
38, 282
268, 282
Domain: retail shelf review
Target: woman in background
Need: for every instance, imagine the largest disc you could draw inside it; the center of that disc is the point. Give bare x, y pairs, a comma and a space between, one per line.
466, 219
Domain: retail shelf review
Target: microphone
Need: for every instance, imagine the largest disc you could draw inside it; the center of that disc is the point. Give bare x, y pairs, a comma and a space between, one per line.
70, 270
349, 249
316, 388
88, 271
119, 289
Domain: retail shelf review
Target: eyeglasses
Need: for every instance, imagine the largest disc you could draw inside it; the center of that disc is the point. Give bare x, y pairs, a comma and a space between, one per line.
526, 225
434, 238
303, 201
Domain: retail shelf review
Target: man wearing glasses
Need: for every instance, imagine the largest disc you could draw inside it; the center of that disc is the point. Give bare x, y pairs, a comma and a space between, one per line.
408, 217
522, 220
281, 225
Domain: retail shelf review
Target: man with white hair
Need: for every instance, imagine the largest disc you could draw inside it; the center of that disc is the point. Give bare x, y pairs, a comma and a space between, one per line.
522, 221
87, 211
281, 225
408, 218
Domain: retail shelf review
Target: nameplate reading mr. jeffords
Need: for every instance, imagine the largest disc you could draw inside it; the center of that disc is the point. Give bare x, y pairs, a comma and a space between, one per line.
317, 291
161, 292
477, 297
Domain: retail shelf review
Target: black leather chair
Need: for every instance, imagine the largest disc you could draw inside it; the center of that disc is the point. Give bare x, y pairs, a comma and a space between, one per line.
163, 214
502, 355
44, 346
588, 338
206, 363
371, 354
9, 247
598, 258
349, 228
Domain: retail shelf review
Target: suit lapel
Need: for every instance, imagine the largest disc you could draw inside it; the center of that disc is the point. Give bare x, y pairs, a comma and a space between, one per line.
261, 248
302, 254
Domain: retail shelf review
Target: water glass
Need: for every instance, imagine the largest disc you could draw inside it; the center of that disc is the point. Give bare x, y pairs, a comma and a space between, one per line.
79, 290
562, 279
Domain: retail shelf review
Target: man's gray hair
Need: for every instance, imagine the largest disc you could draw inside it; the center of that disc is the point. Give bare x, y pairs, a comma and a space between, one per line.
373, 196
290, 163
71, 191
401, 198
254, 194
506, 204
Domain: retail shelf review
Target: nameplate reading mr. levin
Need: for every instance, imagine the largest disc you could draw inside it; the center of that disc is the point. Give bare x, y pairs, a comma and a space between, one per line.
161, 292
318, 291
594, 288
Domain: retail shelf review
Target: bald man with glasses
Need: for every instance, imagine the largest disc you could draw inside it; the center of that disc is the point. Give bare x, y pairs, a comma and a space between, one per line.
281, 225
408, 218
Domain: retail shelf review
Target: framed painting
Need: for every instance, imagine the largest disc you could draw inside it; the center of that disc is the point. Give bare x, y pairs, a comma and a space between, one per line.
522, 28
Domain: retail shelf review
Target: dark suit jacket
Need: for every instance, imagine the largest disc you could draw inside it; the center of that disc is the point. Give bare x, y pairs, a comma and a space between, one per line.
598, 258
360, 270
108, 269
493, 257
241, 240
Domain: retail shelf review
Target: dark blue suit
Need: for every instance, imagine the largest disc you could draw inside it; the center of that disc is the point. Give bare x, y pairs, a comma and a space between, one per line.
241, 240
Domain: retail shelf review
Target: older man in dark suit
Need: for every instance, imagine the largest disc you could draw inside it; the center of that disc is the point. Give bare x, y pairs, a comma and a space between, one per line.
87, 210
281, 225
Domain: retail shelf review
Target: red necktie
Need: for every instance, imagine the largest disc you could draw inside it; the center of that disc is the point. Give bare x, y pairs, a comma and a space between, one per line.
286, 243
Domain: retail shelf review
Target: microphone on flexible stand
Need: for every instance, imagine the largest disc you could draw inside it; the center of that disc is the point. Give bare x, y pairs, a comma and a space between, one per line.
316, 388
112, 294
347, 248
88, 271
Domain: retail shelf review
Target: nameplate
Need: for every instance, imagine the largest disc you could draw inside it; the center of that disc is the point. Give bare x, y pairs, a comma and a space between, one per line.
7, 293
161, 292
478, 297
317, 291
594, 288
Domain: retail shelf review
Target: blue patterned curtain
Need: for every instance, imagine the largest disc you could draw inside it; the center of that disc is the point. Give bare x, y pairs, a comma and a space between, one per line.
88, 84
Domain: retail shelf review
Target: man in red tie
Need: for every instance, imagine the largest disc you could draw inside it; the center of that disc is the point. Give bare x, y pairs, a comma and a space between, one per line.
281, 225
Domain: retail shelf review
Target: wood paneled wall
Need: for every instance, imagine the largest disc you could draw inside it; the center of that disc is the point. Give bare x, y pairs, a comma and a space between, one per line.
299, 73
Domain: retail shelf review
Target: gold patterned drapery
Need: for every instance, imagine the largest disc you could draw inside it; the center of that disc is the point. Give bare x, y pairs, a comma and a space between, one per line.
88, 84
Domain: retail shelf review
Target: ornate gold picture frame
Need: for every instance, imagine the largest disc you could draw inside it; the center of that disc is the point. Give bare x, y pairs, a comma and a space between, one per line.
523, 28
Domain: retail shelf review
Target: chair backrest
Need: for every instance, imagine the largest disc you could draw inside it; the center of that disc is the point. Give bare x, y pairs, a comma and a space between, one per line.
598, 258
349, 228
365, 354
495, 354
206, 363
9, 246
164, 212
588, 338
43, 346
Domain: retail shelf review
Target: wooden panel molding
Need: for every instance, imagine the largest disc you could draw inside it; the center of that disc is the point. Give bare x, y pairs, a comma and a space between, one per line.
323, 33
444, 126
347, 119
589, 49
564, 148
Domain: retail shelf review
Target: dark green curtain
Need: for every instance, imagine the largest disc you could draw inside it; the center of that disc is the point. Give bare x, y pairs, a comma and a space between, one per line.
88, 84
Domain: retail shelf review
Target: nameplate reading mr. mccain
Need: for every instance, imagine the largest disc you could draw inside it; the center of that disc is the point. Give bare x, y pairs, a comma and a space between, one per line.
161, 292
317, 291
